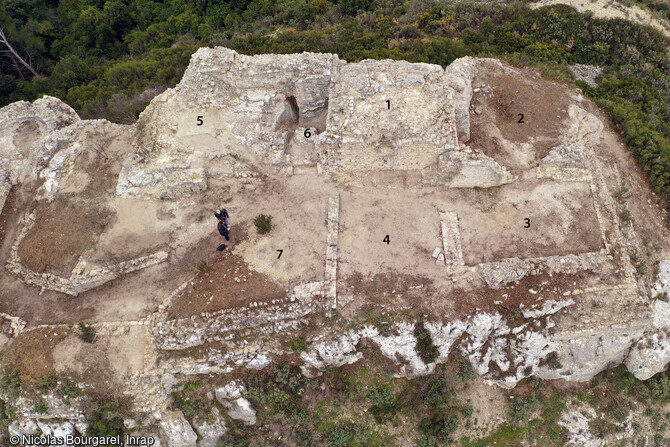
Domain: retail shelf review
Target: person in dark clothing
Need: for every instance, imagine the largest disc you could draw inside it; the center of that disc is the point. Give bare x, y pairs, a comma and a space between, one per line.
223, 226
222, 214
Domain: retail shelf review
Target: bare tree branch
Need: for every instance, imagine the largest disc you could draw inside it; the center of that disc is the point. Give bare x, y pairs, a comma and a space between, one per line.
18, 69
3, 40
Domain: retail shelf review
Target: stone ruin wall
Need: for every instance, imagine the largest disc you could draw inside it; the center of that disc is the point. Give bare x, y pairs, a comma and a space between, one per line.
261, 106
387, 115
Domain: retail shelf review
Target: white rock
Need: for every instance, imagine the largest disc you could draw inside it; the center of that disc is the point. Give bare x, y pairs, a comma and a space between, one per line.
241, 410
176, 430
232, 390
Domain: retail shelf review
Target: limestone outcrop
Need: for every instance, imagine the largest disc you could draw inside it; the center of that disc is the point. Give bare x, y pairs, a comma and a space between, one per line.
26, 141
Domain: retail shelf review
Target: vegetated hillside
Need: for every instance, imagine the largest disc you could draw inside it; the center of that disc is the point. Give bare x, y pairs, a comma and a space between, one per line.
109, 58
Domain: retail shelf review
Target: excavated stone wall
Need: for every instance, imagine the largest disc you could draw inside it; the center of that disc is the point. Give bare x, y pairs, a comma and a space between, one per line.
305, 110
388, 115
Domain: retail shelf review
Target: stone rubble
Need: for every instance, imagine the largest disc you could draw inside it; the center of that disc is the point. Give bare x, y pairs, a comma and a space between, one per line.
576, 420
176, 429
587, 73
239, 408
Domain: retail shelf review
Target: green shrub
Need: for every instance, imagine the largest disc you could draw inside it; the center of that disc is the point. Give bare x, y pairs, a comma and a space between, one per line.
105, 420
68, 388
188, 405
465, 372
440, 424
426, 441
427, 351
521, 407
193, 384
348, 433
47, 383
623, 192
436, 392
467, 411
298, 345
7, 414
41, 407
86, 332
263, 223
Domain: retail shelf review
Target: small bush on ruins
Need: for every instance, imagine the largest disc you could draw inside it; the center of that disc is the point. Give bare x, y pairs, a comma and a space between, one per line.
47, 383
298, 345
441, 424
6, 414
436, 392
424, 344
86, 332
188, 400
105, 420
263, 223
68, 389
465, 372
426, 441
623, 192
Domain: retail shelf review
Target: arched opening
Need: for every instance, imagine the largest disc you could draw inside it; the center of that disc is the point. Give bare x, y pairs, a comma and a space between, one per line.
292, 108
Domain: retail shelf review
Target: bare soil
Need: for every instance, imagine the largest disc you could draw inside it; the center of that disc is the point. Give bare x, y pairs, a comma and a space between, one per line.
32, 352
63, 230
225, 283
562, 217
496, 111
106, 363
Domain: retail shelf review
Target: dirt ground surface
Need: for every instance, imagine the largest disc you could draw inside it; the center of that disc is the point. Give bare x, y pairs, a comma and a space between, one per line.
228, 282
32, 352
500, 100
562, 220
63, 231
105, 363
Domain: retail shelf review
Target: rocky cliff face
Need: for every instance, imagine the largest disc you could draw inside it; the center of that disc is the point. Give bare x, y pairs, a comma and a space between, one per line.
515, 302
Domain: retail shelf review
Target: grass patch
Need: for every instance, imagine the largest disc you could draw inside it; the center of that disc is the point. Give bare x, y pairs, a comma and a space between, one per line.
298, 345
